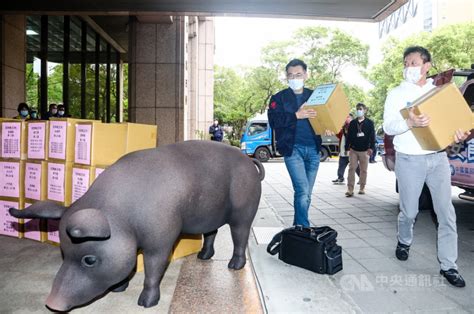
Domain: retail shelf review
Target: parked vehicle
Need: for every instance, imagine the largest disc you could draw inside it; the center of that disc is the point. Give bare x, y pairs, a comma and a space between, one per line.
258, 141
461, 156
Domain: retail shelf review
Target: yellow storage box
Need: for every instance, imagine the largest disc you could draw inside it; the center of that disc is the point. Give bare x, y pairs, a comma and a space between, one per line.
9, 225
13, 137
11, 178
99, 143
62, 134
332, 108
35, 180
448, 111
58, 184
140, 136
37, 139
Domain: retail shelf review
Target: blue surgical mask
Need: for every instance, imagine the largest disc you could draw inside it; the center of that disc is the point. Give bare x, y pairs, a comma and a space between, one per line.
360, 113
61, 113
24, 113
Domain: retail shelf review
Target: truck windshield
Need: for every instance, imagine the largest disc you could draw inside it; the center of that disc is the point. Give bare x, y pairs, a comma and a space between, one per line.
257, 127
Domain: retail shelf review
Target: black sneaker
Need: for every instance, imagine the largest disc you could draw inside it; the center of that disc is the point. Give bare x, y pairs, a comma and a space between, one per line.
453, 277
402, 251
338, 181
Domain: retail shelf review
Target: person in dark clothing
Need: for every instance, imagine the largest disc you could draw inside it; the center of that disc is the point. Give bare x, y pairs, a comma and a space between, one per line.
53, 111
361, 143
295, 138
216, 132
62, 112
343, 153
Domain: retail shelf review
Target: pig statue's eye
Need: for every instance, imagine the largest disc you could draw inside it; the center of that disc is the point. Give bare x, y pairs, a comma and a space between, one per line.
89, 260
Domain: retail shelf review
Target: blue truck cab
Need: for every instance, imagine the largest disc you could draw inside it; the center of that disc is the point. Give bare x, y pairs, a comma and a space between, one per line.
258, 141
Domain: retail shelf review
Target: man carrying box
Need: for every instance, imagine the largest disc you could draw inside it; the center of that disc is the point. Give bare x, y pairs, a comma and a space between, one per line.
295, 137
415, 166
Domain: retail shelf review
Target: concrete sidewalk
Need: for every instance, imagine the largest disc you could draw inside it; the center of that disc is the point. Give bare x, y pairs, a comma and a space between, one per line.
372, 280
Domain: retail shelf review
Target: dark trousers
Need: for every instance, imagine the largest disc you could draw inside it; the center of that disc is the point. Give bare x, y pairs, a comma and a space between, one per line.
343, 162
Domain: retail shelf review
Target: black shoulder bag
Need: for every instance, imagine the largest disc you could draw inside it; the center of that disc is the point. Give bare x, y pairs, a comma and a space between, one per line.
311, 248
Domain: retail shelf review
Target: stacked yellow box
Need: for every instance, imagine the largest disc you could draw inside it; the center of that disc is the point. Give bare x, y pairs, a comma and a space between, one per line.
12, 155
60, 153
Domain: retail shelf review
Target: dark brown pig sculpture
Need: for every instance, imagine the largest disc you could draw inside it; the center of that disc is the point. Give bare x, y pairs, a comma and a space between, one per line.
144, 201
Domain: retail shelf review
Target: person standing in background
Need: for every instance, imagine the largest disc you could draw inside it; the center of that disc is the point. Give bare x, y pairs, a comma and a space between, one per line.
361, 144
52, 112
217, 134
343, 153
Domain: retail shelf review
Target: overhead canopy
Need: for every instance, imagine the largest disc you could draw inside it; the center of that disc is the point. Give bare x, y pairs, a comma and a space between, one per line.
366, 10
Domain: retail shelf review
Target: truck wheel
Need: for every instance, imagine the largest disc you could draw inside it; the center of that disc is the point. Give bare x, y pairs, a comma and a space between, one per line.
324, 154
262, 154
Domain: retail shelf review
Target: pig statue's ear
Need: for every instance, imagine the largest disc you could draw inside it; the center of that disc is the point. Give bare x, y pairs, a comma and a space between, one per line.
88, 223
42, 209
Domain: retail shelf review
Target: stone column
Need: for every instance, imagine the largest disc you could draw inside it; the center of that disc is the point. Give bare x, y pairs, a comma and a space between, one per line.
201, 76
205, 107
157, 76
13, 55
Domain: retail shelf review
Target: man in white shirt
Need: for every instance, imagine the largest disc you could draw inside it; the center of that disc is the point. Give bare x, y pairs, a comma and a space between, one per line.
414, 166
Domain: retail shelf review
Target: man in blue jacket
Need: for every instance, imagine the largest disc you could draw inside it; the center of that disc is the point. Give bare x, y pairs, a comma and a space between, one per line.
295, 137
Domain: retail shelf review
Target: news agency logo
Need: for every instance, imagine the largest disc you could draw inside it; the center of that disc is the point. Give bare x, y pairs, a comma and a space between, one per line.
356, 283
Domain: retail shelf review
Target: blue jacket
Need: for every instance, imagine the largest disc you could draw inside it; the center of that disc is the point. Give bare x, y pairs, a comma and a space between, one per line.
282, 119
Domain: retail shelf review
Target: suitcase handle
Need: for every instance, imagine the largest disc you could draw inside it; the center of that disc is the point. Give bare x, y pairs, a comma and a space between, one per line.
274, 246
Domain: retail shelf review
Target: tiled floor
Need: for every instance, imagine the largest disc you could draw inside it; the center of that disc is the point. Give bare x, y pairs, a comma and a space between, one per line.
372, 280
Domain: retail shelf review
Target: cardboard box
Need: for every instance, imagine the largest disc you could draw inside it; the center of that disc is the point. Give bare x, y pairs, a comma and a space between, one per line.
99, 143
186, 244
332, 108
98, 170
32, 228
58, 184
11, 178
52, 227
13, 137
35, 180
9, 225
81, 179
37, 139
448, 112
62, 134
140, 136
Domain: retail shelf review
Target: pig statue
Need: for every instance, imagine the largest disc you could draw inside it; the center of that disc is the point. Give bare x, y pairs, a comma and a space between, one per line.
144, 201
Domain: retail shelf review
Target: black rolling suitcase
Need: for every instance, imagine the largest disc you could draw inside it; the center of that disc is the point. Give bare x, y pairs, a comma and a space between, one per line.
313, 248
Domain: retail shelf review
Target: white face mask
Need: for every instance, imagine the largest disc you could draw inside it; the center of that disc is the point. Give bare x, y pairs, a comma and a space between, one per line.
296, 84
412, 74
360, 113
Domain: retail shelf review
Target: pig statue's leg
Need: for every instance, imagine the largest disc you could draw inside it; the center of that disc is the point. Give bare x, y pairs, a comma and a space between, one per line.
155, 262
207, 250
240, 237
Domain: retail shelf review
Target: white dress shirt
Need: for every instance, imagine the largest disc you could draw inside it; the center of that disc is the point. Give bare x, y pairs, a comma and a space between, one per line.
394, 123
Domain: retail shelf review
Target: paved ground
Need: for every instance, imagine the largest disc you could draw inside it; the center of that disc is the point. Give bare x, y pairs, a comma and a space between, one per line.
372, 281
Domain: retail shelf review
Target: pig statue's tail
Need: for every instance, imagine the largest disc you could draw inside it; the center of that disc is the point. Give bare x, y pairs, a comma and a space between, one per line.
261, 169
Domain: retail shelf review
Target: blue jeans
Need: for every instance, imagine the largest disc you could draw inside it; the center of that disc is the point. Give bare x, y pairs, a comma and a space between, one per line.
302, 166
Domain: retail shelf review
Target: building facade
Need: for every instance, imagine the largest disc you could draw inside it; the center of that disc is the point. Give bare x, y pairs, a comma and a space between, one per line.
166, 63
